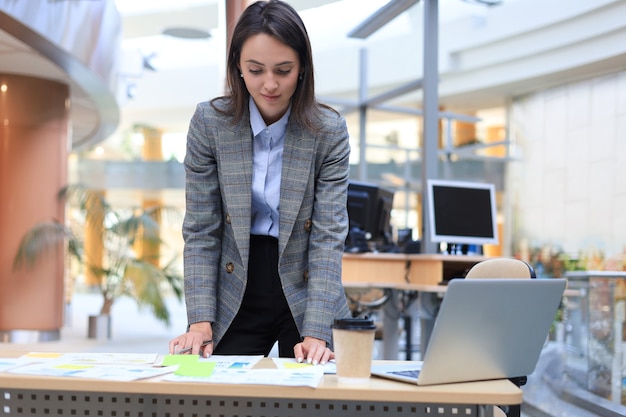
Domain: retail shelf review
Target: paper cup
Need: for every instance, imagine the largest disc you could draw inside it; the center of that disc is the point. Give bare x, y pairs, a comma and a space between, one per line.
353, 341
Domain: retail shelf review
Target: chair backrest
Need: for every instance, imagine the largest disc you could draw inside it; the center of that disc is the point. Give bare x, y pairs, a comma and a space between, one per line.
501, 268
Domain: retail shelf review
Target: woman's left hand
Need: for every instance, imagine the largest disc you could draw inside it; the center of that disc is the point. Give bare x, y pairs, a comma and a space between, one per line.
313, 350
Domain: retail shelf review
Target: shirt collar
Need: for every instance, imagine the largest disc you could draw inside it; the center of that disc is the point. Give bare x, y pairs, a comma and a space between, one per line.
277, 129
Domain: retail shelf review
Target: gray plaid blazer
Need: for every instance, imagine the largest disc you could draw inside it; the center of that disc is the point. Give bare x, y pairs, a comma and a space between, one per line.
313, 221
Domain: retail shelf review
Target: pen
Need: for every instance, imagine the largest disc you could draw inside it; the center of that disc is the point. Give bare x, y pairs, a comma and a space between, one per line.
186, 350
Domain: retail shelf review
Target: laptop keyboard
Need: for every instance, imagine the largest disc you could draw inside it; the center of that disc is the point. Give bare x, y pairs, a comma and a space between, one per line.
412, 373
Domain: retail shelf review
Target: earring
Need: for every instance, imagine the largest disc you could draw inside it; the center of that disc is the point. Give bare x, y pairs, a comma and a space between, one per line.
300, 77
241, 74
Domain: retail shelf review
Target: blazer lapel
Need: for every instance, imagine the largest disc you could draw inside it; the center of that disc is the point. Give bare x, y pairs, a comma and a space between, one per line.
236, 177
298, 158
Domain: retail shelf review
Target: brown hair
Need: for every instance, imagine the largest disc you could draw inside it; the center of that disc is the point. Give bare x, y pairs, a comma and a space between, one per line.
279, 20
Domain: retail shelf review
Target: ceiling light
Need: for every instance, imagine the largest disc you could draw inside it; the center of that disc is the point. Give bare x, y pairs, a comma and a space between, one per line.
380, 18
186, 33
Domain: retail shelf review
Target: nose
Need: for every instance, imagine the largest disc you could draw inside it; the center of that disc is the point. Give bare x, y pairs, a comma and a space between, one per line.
270, 83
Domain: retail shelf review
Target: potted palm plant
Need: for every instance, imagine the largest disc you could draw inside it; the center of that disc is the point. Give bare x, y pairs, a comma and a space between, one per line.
120, 272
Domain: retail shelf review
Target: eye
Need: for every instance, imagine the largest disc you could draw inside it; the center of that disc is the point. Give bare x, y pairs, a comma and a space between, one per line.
283, 71
255, 71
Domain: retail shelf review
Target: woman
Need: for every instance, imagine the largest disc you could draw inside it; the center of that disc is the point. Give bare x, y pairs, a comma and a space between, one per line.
266, 220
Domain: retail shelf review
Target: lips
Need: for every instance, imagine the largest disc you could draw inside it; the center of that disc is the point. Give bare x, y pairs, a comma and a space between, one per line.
271, 99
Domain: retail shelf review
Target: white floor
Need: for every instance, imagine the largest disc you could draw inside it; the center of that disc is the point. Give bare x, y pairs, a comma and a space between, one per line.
133, 329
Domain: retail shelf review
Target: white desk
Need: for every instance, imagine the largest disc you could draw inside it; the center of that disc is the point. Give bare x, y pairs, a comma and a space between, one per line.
39, 396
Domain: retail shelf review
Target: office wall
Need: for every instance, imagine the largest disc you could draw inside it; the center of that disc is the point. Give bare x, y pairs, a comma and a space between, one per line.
568, 188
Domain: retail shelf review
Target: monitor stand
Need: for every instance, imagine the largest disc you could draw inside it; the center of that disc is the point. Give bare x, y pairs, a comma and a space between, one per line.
463, 249
388, 245
356, 242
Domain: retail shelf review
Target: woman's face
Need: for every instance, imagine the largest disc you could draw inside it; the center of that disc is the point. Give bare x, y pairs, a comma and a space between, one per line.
270, 71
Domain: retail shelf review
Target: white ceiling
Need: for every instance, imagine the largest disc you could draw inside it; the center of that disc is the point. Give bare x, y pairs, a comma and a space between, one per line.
190, 71
25, 51
165, 98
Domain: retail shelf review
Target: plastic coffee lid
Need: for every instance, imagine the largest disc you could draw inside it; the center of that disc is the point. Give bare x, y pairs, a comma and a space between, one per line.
354, 323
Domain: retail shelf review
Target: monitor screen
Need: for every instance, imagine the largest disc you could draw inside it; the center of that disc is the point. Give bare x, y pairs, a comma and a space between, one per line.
462, 212
369, 211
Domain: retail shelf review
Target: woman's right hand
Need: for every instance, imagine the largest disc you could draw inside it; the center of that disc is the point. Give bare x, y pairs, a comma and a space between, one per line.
197, 341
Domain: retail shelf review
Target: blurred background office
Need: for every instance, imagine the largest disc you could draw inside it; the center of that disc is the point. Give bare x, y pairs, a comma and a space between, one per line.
531, 98
531, 95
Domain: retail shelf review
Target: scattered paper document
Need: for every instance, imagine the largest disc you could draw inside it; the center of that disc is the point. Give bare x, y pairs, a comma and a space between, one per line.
60, 368
109, 366
225, 369
233, 361
8, 363
290, 363
310, 376
93, 358
220, 361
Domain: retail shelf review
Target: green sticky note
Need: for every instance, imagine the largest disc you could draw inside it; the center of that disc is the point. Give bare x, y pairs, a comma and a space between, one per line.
189, 365
196, 369
170, 360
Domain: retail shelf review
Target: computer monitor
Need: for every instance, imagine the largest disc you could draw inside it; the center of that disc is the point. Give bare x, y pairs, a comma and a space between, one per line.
369, 212
462, 213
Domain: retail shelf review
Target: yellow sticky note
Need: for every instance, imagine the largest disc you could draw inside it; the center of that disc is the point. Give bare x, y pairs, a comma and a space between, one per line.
73, 367
296, 365
44, 355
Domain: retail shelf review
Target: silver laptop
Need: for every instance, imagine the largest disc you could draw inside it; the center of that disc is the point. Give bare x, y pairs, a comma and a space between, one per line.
485, 329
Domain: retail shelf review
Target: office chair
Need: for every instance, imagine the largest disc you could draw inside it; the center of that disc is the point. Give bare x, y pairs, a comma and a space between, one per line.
504, 268
501, 268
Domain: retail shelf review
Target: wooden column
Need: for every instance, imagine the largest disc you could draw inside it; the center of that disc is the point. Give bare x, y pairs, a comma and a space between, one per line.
148, 249
34, 126
234, 8
94, 245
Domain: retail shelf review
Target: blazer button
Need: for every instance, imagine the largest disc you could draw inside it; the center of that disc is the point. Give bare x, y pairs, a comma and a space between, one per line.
305, 276
308, 225
228, 218
230, 267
